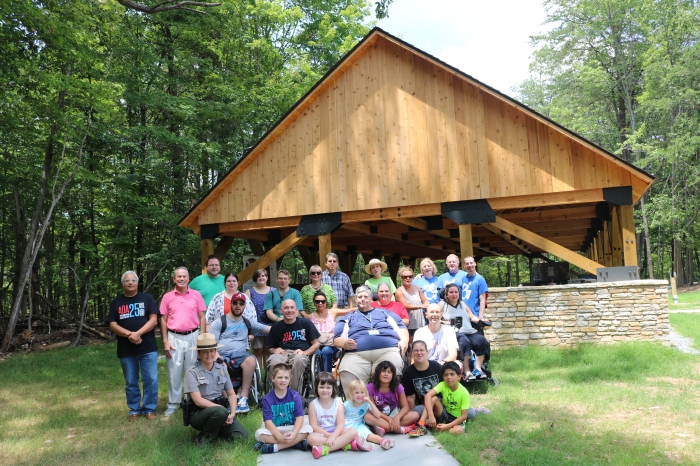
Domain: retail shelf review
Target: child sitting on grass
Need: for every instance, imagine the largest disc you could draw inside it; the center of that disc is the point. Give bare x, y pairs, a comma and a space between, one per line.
327, 418
447, 404
356, 406
388, 396
283, 414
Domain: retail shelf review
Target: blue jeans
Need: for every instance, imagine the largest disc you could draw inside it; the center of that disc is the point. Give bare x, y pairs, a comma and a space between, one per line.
147, 364
328, 353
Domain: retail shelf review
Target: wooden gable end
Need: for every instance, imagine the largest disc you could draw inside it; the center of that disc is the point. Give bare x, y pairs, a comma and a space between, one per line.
394, 128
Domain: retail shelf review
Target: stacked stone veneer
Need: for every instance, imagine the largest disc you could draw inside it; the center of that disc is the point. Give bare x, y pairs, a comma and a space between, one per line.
572, 314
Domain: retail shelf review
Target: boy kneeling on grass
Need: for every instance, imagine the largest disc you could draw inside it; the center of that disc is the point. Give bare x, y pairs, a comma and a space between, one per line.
447, 404
283, 415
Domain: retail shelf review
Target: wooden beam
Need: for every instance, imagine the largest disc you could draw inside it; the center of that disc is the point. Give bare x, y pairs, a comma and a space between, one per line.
207, 250
324, 247
465, 241
307, 256
509, 238
276, 252
224, 245
546, 245
366, 229
391, 213
629, 238
420, 224
256, 246
551, 215
582, 196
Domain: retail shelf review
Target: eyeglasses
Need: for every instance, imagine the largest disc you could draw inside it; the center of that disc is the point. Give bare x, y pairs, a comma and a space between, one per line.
314, 273
406, 277
320, 302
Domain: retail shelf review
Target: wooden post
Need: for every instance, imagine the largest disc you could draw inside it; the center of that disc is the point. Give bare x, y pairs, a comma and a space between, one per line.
607, 246
616, 240
276, 252
465, 242
207, 250
601, 251
629, 239
674, 290
324, 247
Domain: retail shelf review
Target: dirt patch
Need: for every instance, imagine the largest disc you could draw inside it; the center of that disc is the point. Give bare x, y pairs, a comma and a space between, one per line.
489, 456
687, 289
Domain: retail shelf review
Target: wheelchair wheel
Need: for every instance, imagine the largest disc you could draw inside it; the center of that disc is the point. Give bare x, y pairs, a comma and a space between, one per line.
256, 390
316, 367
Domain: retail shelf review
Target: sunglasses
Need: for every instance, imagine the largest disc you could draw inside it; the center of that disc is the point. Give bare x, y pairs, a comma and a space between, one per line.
319, 302
406, 277
239, 302
314, 273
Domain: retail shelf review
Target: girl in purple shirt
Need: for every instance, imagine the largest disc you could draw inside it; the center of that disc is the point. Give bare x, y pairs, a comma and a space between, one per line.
387, 394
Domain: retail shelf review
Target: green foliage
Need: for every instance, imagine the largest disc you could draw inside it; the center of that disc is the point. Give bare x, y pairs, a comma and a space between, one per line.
177, 98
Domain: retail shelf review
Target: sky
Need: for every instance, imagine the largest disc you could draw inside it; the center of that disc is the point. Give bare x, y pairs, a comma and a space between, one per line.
486, 39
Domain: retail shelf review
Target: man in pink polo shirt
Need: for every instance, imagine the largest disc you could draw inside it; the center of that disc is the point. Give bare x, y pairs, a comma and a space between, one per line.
182, 315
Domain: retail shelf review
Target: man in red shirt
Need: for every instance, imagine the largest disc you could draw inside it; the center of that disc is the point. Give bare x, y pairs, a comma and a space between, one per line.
182, 315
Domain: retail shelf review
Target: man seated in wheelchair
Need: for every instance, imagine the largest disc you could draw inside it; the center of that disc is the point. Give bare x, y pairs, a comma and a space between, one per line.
233, 332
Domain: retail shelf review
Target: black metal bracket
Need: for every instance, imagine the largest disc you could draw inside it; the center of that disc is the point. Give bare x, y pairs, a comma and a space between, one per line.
602, 211
319, 224
621, 195
466, 212
209, 231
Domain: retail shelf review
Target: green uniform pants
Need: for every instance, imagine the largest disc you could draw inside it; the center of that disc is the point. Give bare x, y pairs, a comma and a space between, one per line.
210, 421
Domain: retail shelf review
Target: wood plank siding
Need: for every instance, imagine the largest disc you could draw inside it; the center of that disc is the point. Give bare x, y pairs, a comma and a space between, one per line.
390, 127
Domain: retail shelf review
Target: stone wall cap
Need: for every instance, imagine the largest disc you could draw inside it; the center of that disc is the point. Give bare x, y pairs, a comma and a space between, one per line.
579, 286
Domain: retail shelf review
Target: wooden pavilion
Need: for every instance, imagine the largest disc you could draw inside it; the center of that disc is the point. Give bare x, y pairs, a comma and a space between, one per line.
394, 153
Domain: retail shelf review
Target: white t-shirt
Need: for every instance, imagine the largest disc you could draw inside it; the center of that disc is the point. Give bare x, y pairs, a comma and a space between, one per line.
439, 343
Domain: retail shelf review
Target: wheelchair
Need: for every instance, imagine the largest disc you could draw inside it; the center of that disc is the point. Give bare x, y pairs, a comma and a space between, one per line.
456, 323
257, 390
307, 380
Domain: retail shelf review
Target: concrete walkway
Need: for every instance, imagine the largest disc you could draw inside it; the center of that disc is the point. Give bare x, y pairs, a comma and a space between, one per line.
407, 451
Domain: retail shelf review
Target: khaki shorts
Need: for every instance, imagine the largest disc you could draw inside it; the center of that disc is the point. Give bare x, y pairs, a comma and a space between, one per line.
258, 342
361, 364
305, 429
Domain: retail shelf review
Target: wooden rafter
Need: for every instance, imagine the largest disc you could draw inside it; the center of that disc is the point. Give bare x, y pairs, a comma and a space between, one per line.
546, 245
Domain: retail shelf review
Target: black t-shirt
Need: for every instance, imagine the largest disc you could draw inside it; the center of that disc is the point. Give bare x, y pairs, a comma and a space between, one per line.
132, 314
297, 335
419, 383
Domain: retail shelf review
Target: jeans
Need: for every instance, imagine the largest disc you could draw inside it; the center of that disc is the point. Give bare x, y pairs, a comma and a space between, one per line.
147, 364
328, 353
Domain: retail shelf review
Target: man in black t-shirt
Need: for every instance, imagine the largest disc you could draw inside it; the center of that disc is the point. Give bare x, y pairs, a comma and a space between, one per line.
132, 318
420, 377
292, 341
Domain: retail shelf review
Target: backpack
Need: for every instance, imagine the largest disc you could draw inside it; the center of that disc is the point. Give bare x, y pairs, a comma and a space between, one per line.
224, 324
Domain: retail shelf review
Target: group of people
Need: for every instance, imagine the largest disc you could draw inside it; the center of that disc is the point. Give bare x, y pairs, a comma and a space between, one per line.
208, 327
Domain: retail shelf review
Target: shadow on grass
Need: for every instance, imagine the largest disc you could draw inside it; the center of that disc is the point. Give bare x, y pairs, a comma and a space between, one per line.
532, 435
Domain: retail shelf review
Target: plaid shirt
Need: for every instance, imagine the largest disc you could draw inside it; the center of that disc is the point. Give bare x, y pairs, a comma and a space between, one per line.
341, 286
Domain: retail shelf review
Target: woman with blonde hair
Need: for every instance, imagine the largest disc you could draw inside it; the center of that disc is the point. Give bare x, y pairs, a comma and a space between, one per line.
413, 299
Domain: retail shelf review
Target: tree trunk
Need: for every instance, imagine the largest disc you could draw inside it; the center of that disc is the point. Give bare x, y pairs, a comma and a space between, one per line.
678, 262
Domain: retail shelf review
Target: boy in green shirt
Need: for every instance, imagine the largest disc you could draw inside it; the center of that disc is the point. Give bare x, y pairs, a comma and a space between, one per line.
447, 404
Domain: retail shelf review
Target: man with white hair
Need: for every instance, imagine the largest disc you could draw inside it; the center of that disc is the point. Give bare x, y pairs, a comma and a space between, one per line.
132, 318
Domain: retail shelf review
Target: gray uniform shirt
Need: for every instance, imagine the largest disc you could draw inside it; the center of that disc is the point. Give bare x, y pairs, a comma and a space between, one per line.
235, 337
209, 384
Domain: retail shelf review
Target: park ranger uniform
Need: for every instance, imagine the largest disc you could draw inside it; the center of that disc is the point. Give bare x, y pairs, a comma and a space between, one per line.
211, 385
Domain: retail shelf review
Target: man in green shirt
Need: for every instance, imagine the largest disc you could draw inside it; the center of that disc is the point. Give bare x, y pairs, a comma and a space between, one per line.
210, 283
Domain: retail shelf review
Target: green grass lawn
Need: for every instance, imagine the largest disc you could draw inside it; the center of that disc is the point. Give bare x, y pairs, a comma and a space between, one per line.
626, 404
687, 325
686, 300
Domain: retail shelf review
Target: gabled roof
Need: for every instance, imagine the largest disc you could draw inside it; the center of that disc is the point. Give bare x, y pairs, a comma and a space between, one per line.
190, 219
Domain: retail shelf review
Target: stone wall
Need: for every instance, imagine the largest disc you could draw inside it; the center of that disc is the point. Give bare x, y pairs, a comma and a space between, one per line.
571, 314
